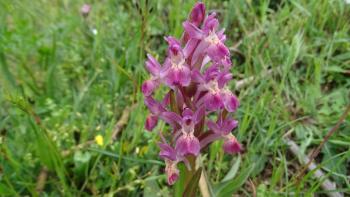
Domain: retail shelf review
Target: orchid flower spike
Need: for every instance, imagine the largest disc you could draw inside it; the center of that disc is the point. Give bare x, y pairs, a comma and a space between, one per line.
199, 104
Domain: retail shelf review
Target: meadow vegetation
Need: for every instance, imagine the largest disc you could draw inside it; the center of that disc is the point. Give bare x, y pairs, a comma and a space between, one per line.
65, 79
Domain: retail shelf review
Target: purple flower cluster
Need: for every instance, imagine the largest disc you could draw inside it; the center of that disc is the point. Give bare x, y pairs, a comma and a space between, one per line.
198, 103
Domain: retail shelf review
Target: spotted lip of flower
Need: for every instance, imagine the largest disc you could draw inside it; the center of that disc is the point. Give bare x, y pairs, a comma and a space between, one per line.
187, 143
217, 96
171, 159
176, 71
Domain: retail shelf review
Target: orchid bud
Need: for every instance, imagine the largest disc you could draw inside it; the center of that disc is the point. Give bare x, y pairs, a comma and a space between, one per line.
197, 14
231, 145
171, 171
151, 122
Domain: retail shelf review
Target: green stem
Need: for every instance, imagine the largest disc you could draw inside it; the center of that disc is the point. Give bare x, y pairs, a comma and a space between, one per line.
189, 173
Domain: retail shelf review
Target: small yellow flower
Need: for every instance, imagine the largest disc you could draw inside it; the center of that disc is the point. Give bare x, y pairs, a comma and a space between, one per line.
99, 140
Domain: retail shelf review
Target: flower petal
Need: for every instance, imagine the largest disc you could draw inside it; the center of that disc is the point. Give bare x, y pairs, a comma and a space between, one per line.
187, 112
172, 41
197, 76
221, 35
184, 76
187, 144
174, 46
212, 72
154, 106
218, 52
199, 52
171, 118
226, 62
213, 126
198, 115
152, 65
228, 125
206, 60
167, 152
213, 101
210, 23
189, 47
223, 78
192, 30
194, 146
166, 99
231, 102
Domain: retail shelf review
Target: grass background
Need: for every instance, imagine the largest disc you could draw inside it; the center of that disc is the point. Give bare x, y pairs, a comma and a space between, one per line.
65, 79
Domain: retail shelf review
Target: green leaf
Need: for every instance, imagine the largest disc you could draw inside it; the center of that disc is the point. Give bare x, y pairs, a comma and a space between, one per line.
277, 174
233, 171
110, 154
192, 187
48, 152
227, 188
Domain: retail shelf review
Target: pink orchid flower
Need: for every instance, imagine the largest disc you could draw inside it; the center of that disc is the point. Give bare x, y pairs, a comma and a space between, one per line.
196, 73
